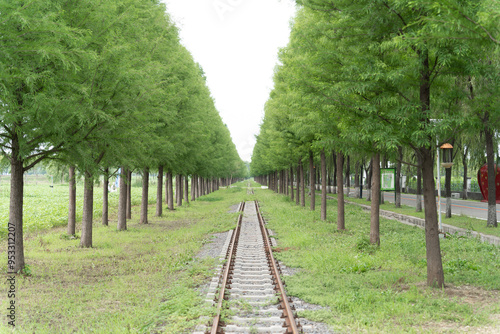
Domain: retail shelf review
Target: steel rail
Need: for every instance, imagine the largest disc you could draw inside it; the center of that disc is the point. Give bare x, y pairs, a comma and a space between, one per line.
228, 266
290, 324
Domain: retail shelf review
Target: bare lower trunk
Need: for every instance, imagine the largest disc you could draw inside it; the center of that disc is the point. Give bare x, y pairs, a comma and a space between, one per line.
166, 189
435, 275
178, 188
292, 195
159, 193
302, 185
340, 192
369, 181
419, 184
200, 187
398, 177
15, 224
492, 168
145, 195
72, 202
323, 185
375, 203
312, 181
447, 186
186, 189
170, 191
464, 193
129, 194
384, 162
348, 175
334, 156
88, 210
356, 180
105, 198
193, 187
122, 201
286, 182
297, 199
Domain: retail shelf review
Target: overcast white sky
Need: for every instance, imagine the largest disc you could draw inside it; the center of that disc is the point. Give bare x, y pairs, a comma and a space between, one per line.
236, 42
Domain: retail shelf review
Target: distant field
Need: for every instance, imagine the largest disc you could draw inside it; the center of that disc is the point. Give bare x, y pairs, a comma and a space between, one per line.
46, 206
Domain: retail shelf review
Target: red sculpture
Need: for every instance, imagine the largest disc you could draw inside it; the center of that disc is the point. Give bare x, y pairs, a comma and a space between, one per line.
482, 180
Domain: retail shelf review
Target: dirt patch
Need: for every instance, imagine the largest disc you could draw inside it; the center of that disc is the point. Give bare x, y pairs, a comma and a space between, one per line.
234, 208
282, 249
478, 298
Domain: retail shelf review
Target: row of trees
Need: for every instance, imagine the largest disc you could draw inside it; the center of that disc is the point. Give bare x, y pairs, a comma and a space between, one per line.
99, 84
390, 79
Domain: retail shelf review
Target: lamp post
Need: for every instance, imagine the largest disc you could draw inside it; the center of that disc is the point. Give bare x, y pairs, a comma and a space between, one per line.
447, 163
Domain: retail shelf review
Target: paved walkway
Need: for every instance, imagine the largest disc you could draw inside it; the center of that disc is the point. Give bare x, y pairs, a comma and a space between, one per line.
414, 221
470, 208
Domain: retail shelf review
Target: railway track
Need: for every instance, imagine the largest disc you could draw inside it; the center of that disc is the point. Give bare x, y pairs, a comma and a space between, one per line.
250, 296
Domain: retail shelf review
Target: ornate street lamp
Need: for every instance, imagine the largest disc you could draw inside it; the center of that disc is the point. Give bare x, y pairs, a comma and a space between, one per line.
447, 155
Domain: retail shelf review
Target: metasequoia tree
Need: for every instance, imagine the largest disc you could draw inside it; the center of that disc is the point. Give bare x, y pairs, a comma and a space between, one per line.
42, 107
372, 66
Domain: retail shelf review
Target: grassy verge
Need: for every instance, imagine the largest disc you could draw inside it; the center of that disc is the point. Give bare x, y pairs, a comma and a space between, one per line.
365, 289
461, 221
138, 281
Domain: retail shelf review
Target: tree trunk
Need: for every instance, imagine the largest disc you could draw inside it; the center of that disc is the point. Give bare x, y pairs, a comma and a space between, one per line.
334, 172
419, 184
186, 189
178, 189
72, 202
447, 186
88, 210
356, 179
16, 210
302, 185
193, 187
464, 163
435, 275
312, 181
384, 165
170, 191
199, 187
122, 201
297, 199
398, 177
159, 195
348, 176
145, 195
129, 194
287, 177
369, 177
375, 204
492, 173
292, 195
340, 192
166, 189
105, 198
323, 185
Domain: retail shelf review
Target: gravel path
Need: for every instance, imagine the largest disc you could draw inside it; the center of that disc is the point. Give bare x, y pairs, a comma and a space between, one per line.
216, 247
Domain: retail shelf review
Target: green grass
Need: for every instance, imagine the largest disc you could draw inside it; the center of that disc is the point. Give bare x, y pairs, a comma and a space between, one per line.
145, 280
380, 290
138, 281
468, 223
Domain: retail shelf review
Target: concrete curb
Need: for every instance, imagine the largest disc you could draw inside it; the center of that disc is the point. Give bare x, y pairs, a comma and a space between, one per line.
414, 221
